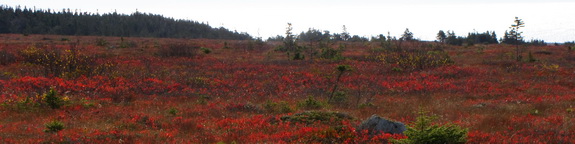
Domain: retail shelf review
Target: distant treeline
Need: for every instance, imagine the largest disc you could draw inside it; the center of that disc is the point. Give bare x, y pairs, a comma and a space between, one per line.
66, 22
447, 37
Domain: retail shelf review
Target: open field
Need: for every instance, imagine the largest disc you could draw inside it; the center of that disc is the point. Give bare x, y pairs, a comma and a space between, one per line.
130, 90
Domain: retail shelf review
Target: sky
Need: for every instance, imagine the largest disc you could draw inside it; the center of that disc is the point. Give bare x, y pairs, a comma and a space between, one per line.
549, 20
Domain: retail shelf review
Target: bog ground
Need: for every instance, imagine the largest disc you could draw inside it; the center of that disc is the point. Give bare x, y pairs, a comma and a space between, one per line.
151, 90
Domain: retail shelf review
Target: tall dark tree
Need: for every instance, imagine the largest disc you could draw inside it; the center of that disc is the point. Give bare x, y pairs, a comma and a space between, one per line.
289, 41
516, 34
407, 35
441, 37
481, 38
452, 39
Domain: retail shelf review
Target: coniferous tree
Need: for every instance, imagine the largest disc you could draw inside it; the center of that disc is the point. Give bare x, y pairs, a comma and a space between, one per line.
345, 35
516, 35
68, 22
407, 35
441, 37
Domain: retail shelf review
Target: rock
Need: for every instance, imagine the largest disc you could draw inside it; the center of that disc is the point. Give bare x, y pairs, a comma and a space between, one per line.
376, 125
480, 105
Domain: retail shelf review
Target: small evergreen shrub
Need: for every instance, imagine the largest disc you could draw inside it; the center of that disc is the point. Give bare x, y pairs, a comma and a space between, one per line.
310, 103
340, 97
206, 50
424, 132
54, 126
173, 111
52, 100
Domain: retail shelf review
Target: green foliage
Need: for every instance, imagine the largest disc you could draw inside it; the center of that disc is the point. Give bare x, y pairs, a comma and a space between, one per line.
298, 56
343, 68
516, 35
310, 117
206, 50
273, 107
441, 36
173, 111
330, 53
64, 63
54, 126
203, 99
340, 97
52, 99
28, 104
310, 103
366, 105
407, 35
396, 69
424, 132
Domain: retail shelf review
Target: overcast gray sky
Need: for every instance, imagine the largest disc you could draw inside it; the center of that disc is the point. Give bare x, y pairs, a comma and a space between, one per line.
550, 20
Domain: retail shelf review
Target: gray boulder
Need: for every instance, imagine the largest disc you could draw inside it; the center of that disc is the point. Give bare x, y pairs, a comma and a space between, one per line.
376, 125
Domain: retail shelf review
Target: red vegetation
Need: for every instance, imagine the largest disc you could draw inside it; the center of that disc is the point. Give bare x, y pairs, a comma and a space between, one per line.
142, 97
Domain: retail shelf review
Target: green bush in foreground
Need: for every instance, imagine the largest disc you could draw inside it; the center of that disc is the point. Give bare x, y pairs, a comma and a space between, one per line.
423, 131
54, 126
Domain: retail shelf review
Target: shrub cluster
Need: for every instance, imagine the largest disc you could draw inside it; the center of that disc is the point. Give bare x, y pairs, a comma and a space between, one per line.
416, 60
178, 50
277, 107
423, 131
64, 63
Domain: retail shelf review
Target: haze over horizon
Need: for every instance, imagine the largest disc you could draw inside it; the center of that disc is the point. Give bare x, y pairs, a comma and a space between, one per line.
549, 20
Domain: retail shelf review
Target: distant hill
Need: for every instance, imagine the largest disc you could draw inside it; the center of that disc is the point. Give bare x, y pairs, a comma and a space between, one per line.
66, 22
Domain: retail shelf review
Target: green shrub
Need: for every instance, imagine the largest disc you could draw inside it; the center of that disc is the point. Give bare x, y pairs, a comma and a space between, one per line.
54, 126
330, 53
273, 107
173, 111
310, 117
51, 98
424, 132
206, 50
396, 69
64, 63
310, 103
340, 97
343, 68
298, 56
